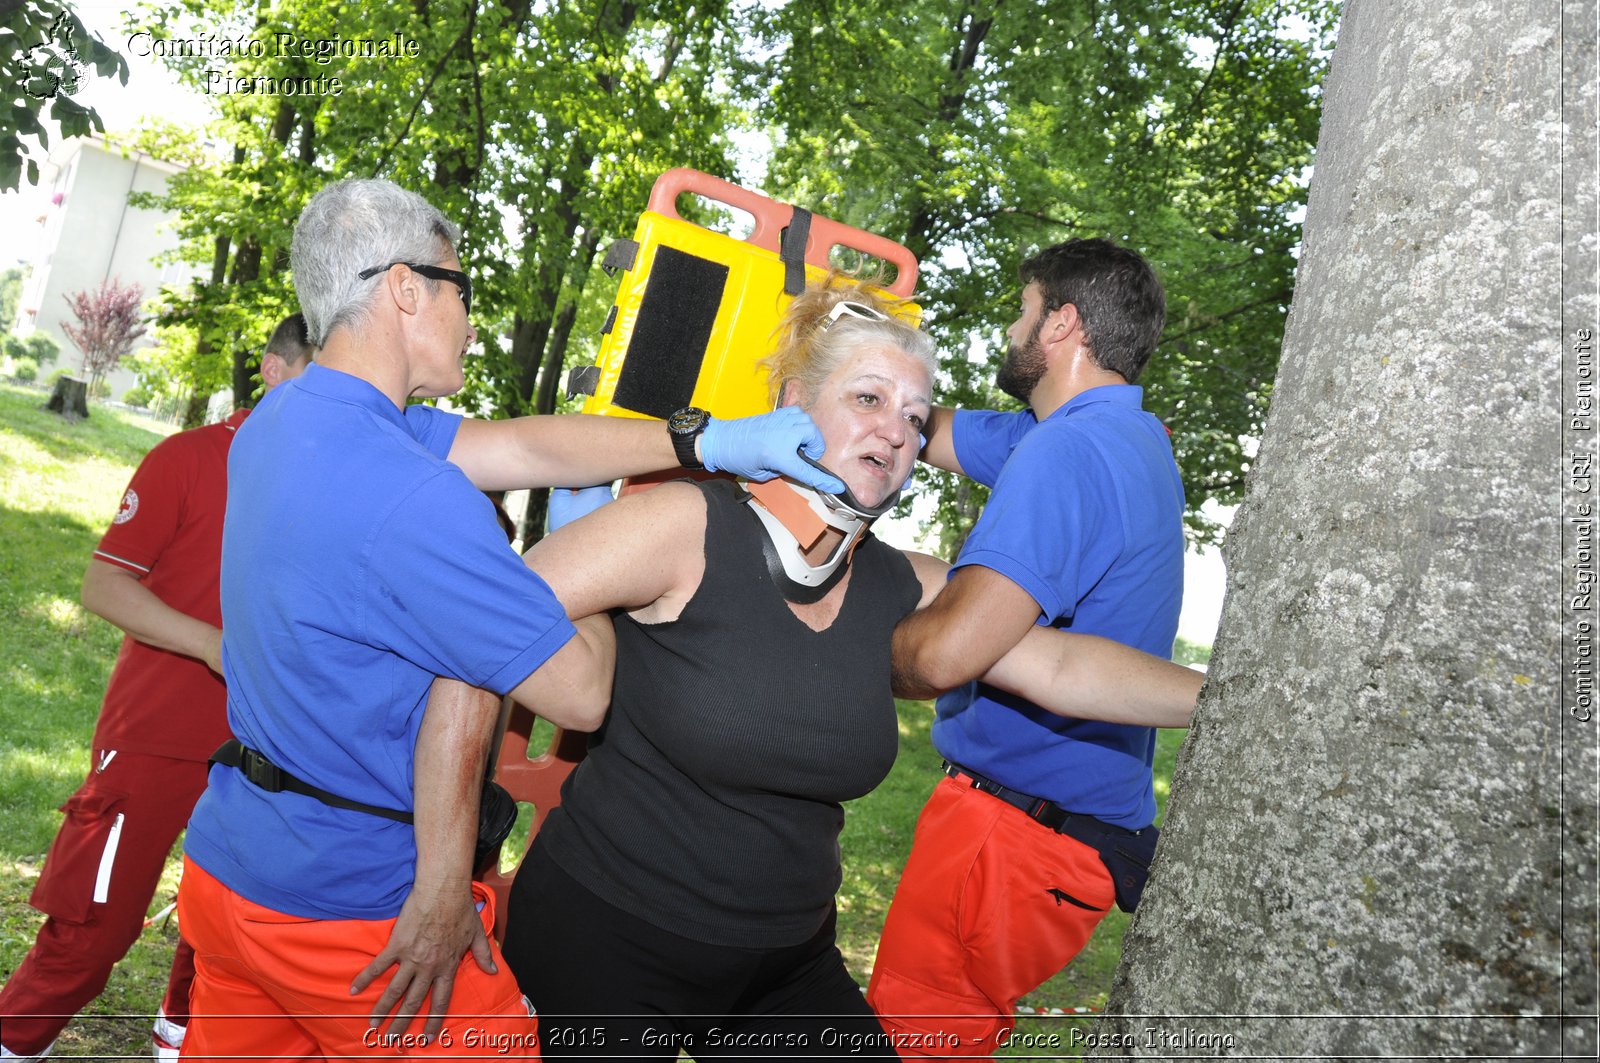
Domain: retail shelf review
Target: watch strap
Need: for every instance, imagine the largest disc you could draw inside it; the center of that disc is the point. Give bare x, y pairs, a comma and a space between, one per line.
685, 426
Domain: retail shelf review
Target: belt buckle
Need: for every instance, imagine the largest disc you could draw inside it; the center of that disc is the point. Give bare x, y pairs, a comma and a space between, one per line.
977, 782
261, 771
988, 786
957, 772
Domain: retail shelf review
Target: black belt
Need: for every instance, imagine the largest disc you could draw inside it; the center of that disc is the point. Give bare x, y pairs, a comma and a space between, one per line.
1085, 829
273, 779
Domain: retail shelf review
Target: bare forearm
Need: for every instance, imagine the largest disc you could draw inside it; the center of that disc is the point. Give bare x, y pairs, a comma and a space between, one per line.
918, 670
977, 618
118, 596
438, 923
575, 450
452, 748
940, 450
1093, 678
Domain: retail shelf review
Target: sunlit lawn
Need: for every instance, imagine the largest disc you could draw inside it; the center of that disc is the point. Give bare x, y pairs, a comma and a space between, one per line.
60, 485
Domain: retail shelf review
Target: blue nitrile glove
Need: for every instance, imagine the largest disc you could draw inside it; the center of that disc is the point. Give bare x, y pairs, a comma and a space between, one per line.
765, 446
567, 505
922, 444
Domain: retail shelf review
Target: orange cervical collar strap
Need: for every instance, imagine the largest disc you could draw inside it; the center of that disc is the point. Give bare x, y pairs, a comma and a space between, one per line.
792, 511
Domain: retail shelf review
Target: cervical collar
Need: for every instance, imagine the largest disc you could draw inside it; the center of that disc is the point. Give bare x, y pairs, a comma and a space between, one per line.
795, 517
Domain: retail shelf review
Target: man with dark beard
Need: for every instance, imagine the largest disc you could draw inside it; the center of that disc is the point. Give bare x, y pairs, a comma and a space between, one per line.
1042, 820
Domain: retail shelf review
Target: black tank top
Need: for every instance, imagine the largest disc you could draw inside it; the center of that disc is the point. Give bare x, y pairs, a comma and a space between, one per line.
709, 803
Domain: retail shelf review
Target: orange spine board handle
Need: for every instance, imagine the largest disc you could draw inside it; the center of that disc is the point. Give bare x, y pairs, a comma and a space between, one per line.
771, 217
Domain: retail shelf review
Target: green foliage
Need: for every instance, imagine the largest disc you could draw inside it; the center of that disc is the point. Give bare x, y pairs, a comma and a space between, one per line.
455, 125
986, 129
46, 56
42, 347
154, 392
56, 374
25, 370
970, 130
174, 367
1190, 653
10, 297
626, 92
38, 345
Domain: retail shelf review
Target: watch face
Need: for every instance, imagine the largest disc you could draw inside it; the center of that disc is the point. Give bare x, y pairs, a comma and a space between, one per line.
689, 419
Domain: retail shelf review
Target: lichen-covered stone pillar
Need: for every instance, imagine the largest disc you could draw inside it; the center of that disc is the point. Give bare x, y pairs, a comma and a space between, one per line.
1381, 835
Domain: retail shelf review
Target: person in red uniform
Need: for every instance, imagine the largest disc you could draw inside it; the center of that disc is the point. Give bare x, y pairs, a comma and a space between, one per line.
155, 576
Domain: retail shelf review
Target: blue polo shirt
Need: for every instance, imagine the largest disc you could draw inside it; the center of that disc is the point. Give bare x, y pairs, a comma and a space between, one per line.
1086, 515
357, 564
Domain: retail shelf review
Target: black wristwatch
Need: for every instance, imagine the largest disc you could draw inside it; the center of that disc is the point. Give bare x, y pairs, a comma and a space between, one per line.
685, 426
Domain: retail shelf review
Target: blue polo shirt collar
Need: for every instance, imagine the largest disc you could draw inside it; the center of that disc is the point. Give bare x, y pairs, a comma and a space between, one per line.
1129, 395
342, 387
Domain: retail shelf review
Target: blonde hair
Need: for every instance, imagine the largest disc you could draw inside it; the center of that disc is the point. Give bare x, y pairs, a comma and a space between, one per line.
807, 352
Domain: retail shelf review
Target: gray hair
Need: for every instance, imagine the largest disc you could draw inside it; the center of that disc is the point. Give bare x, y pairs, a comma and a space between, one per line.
833, 346
354, 225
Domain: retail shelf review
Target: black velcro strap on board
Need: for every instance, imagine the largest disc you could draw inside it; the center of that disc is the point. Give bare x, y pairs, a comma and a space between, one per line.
792, 250
670, 335
583, 380
620, 256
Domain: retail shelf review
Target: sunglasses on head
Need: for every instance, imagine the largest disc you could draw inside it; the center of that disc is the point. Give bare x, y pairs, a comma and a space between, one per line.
855, 310
462, 282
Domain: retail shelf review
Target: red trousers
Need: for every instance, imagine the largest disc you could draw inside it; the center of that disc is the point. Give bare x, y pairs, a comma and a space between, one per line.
98, 878
275, 986
991, 904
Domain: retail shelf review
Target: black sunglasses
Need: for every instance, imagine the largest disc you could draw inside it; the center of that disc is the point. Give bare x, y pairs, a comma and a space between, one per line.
462, 282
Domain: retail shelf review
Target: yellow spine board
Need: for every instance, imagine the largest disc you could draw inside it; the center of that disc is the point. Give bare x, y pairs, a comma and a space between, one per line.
731, 380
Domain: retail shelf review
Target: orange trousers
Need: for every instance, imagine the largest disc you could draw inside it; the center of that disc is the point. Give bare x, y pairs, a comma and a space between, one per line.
990, 905
275, 986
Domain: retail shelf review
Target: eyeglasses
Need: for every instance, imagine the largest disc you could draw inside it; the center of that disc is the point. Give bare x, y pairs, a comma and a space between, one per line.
462, 282
856, 310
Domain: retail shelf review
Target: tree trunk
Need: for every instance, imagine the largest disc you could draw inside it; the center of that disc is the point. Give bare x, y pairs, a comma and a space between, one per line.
246, 268
70, 398
551, 376
194, 410
531, 530
1381, 835
245, 361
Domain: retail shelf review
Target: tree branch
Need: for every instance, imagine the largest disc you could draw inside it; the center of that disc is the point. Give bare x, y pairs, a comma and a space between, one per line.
1279, 297
416, 105
1196, 102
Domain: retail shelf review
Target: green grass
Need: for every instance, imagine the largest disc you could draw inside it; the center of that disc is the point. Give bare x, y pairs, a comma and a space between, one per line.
60, 484
59, 487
